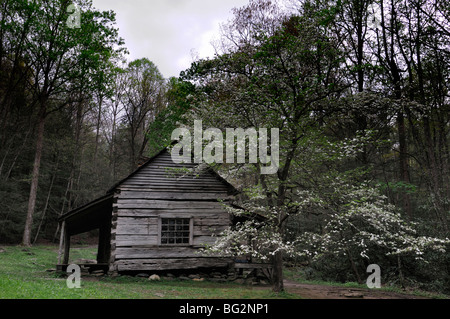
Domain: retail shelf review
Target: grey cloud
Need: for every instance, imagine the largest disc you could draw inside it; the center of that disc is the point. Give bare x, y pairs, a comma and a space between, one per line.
167, 31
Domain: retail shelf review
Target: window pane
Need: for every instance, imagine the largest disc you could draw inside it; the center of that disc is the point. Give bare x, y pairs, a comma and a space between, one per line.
175, 231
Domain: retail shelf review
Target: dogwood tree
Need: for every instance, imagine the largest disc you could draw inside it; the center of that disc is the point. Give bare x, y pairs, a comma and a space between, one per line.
360, 223
274, 71
281, 70
363, 226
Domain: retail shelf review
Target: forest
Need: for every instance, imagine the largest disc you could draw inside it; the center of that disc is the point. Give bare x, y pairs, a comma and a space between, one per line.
359, 90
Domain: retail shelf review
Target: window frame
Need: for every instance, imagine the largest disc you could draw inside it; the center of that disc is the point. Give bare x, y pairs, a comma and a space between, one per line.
160, 231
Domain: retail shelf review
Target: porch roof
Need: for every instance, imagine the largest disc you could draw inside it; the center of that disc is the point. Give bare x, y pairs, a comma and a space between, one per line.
88, 217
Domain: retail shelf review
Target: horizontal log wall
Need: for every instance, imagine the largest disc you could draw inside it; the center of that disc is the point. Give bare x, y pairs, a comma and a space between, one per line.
170, 264
158, 191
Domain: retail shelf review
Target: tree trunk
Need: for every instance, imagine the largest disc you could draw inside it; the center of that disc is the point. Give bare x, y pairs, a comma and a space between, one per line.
390, 62
355, 269
97, 135
400, 272
403, 162
360, 44
16, 157
277, 276
277, 273
47, 201
69, 182
26, 240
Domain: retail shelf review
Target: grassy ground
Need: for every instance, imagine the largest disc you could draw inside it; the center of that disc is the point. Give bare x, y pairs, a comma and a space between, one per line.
296, 276
23, 275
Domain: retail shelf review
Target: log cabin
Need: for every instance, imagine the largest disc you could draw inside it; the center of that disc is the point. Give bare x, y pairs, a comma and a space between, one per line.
156, 219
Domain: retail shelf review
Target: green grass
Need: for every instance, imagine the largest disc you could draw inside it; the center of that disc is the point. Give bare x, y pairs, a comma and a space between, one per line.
23, 275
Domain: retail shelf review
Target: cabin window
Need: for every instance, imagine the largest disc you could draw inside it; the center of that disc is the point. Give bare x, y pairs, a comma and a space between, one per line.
175, 231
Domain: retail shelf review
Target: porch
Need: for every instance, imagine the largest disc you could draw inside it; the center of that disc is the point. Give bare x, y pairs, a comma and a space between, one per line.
92, 216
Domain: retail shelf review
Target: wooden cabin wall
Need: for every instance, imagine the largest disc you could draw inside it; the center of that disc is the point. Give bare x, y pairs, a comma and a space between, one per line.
153, 193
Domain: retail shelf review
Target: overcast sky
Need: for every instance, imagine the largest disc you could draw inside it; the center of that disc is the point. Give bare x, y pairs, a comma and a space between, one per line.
170, 32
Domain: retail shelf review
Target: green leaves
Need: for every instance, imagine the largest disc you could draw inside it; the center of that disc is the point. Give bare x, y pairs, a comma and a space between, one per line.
179, 97
61, 55
398, 187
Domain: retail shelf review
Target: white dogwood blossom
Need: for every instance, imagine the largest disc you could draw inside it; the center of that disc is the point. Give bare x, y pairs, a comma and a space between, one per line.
367, 224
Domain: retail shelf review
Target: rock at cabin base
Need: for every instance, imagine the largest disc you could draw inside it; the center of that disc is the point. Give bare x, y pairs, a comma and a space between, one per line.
154, 278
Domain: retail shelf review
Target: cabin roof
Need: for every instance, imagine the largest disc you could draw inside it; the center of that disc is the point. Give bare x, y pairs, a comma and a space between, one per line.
231, 189
98, 205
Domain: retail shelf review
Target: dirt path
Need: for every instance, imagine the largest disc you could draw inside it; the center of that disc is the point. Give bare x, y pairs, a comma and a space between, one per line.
309, 291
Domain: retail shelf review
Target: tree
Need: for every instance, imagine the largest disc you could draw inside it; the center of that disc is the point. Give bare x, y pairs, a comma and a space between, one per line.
295, 72
359, 223
278, 72
111, 119
362, 227
142, 101
178, 97
61, 59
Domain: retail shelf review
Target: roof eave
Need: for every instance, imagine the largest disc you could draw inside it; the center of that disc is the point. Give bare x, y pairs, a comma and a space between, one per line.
87, 206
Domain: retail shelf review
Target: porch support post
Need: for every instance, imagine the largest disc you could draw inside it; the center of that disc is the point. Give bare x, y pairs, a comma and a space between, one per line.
104, 243
66, 246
